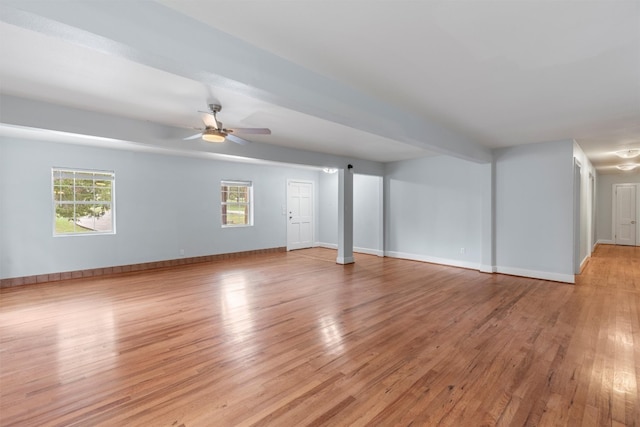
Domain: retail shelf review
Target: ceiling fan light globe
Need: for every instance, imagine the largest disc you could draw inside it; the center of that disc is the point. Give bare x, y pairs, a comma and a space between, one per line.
213, 135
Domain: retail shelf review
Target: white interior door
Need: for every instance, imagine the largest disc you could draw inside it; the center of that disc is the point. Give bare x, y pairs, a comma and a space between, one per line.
299, 215
625, 218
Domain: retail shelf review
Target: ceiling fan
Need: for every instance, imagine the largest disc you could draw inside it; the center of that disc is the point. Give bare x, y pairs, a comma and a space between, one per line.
215, 132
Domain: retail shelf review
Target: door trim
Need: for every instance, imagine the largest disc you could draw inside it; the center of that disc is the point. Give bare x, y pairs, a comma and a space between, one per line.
577, 204
594, 212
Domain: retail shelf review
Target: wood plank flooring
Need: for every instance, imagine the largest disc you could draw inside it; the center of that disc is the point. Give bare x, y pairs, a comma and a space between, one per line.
294, 339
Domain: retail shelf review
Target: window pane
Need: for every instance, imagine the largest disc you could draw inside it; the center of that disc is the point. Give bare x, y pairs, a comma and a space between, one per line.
67, 175
233, 194
65, 226
63, 193
96, 218
103, 194
235, 215
65, 211
84, 194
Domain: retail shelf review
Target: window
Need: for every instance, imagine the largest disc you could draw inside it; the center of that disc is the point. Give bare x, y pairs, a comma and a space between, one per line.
237, 198
83, 202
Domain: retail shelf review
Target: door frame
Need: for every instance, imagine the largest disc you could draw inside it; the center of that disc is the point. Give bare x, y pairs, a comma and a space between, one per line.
592, 217
614, 209
313, 209
577, 204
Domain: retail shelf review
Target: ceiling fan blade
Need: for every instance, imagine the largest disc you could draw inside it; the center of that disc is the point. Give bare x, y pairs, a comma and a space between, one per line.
251, 131
209, 120
197, 135
237, 140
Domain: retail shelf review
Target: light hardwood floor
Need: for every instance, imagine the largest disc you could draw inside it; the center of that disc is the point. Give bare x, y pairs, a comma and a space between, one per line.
293, 339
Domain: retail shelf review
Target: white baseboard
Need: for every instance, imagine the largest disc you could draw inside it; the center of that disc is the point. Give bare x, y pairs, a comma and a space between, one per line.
605, 242
535, 274
356, 249
434, 260
368, 251
488, 269
326, 245
584, 262
345, 260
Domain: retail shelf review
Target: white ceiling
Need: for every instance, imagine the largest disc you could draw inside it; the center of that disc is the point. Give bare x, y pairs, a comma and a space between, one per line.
500, 73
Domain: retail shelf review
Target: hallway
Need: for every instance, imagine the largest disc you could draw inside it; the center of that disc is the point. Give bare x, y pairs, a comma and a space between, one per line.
613, 267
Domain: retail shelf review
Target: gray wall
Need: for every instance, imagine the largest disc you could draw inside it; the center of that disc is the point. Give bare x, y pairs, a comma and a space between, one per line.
163, 204
534, 210
367, 212
328, 210
604, 202
433, 209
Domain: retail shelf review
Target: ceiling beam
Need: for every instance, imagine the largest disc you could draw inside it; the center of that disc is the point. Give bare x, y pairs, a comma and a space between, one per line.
157, 36
25, 116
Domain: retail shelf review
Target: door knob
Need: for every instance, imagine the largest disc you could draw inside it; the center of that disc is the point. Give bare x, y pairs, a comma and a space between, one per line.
633, 222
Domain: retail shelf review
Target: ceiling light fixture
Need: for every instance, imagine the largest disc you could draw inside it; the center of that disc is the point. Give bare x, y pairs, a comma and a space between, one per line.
627, 167
628, 154
329, 170
213, 135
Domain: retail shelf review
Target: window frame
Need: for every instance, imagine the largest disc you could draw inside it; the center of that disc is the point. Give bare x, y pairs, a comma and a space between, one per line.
248, 204
109, 176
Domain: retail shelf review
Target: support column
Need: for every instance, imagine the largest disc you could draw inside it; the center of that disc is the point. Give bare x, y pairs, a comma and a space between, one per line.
488, 249
345, 216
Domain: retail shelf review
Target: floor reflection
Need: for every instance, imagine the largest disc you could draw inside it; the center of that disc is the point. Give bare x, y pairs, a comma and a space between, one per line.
86, 341
331, 334
237, 317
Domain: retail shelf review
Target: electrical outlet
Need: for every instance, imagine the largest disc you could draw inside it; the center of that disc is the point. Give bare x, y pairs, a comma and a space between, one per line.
462, 251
